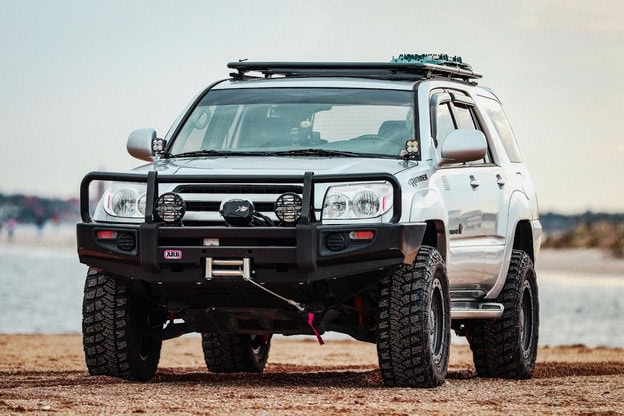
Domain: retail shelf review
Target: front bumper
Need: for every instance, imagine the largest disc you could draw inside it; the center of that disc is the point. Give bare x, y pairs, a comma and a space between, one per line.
301, 254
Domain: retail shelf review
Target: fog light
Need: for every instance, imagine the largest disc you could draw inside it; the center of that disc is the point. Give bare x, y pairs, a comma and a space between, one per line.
170, 208
288, 208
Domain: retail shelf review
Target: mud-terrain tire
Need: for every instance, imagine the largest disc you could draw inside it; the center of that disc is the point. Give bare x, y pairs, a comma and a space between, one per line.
242, 353
118, 339
507, 347
414, 323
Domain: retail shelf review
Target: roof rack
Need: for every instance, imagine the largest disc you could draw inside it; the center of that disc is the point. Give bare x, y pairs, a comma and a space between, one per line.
383, 70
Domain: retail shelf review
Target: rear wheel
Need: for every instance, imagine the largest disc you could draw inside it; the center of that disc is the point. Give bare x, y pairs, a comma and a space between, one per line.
225, 353
507, 348
414, 323
119, 339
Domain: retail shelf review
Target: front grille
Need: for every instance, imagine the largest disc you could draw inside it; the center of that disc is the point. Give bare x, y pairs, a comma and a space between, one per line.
202, 205
214, 206
238, 189
203, 201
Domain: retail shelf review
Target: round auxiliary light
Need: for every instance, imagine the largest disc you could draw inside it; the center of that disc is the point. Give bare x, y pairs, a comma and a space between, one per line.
288, 208
170, 208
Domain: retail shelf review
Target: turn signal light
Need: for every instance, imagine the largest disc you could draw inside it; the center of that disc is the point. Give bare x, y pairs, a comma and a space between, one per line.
362, 235
106, 234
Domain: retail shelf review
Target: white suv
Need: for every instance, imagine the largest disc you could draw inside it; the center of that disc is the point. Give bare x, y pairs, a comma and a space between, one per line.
387, 201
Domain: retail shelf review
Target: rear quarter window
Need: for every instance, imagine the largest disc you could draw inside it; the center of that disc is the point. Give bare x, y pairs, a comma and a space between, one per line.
495, 113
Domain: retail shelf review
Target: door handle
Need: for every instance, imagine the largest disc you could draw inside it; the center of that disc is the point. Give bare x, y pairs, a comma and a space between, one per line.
473, 181
499, 180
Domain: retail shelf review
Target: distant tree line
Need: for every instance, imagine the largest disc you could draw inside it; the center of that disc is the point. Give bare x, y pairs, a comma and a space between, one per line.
553, 222
587, 230
33, 209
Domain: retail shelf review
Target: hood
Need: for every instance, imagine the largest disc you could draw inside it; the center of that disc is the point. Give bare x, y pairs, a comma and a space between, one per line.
254, 165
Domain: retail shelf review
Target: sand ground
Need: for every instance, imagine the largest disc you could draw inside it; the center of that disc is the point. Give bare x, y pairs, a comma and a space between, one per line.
46, 374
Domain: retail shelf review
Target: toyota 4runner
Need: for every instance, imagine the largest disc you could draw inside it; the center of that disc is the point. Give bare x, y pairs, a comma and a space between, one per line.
386, 201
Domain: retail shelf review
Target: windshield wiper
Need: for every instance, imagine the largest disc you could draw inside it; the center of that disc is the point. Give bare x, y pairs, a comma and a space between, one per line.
210, 152
294, 152
325, 152
317, 152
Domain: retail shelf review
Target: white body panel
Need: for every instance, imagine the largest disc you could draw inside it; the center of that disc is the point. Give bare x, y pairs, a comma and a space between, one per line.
479, 205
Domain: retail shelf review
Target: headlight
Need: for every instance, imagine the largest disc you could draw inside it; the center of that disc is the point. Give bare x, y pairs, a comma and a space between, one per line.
357, 201
125, 199
335, 206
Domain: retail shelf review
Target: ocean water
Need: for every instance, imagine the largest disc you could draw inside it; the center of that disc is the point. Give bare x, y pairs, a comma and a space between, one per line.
41, 292
581, 309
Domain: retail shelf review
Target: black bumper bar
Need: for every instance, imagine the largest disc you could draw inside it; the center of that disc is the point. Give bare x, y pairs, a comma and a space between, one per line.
303, 254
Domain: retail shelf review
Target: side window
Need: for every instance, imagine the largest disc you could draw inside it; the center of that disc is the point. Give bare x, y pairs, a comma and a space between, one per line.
495, 112
451, 111
464, 117
444, 122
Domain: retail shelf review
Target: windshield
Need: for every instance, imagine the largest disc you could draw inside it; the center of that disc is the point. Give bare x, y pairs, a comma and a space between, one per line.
282, 121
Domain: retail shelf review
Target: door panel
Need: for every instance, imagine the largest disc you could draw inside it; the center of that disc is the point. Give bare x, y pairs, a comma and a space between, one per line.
465, 259
492, 197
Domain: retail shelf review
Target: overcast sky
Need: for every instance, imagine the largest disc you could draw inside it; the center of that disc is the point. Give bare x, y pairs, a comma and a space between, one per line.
77, 76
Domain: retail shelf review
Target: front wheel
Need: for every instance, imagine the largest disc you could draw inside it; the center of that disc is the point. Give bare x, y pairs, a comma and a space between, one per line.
507, 348
225, 353
119, 339
414, 323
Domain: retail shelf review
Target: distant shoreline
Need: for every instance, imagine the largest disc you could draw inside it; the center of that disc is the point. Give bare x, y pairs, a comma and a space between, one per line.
586, 261
52, 236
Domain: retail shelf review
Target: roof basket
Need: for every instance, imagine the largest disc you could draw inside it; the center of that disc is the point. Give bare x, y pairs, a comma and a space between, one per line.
383, 70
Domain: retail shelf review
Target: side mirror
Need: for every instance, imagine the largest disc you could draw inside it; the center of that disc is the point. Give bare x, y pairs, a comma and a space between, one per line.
463, 145
144, 145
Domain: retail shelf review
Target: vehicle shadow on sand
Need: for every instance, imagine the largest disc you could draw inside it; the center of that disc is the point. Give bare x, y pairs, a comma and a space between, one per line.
370, 378
282, 376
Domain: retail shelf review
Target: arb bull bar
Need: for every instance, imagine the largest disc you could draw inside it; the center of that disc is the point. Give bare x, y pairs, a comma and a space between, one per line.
272, 254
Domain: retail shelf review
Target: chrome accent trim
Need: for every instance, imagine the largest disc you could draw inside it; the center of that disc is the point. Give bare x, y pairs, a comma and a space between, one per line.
476, 310
467, 295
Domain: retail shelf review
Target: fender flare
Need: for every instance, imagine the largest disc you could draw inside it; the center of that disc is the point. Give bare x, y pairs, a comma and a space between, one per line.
519, 210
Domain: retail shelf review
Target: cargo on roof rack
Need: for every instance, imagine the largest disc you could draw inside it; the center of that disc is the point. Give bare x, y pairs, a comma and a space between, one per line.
385, 70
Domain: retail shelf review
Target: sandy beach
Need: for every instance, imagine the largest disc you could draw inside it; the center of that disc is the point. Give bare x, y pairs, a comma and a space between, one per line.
46, 374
